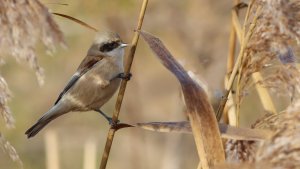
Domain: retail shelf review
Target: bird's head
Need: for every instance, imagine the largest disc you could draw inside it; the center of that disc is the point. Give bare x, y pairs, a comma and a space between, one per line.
108, 43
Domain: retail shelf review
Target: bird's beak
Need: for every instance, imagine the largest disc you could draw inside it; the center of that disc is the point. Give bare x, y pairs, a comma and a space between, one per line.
123, 45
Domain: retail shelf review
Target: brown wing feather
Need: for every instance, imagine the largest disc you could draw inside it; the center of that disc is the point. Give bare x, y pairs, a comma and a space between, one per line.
87, 63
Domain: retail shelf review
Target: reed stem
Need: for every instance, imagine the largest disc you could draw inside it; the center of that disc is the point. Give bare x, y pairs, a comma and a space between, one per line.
230, 111
112, 130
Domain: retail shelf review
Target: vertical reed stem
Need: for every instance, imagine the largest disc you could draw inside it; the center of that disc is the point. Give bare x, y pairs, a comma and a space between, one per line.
112, 130
89, 155
230, 113
263, 93
52, 154
245, 37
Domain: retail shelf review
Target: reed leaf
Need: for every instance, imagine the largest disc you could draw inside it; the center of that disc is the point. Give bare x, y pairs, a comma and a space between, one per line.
200, 112
228, 132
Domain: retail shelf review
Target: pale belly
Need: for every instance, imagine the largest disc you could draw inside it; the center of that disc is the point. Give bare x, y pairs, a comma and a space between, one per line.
88, 93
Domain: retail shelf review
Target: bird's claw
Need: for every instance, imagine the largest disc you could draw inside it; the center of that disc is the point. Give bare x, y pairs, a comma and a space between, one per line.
111, 122
124, 76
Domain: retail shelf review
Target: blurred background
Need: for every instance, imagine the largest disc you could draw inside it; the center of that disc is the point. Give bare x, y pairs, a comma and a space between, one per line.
196, 32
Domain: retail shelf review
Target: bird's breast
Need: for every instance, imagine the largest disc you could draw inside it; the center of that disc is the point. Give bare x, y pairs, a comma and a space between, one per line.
96, 86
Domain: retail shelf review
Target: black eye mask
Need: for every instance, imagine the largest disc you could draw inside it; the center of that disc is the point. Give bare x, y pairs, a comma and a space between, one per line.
107, 47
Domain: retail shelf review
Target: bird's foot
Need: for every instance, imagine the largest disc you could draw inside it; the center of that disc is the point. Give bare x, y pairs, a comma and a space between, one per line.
111, 122
124, 76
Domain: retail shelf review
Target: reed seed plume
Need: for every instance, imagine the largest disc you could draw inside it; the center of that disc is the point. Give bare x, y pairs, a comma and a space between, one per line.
238, 151
10, 150
4, 109
242, 151
287, 56
274, 40
280, 151
283, 149
23, 24
284, 80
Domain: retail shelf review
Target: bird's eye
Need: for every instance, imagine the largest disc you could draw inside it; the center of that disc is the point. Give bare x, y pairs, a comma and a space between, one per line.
107, 47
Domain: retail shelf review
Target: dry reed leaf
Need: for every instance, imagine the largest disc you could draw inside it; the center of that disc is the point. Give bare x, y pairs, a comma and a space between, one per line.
167, 127
76, 21
240, 6
202, 118
228, 132
10, 150
57, 3
245, 165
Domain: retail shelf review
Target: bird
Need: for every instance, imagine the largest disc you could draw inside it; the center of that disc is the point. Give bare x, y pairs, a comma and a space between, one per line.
96, 80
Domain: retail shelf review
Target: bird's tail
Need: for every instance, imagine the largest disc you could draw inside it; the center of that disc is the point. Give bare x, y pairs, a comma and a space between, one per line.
52, 114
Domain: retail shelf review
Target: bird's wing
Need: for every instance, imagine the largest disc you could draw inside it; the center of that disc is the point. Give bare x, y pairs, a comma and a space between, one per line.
84, 66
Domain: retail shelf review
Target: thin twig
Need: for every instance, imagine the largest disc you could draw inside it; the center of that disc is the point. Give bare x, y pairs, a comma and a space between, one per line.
112, 130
